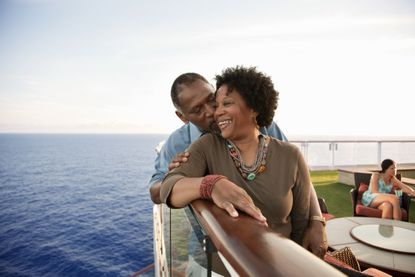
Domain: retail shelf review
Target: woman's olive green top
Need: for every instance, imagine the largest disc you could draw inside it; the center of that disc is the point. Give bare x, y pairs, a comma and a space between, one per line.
282, 192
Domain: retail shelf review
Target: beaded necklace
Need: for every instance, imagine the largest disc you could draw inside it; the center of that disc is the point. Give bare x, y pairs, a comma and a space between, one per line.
250, 172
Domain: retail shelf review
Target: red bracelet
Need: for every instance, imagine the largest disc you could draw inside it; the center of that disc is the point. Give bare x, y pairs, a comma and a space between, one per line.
206, 187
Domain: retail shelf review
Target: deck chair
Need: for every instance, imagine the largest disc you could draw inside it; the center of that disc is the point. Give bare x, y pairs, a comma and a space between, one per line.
323, 208
362, 181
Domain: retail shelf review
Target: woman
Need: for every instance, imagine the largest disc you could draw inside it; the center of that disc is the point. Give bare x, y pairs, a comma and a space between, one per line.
272, 174
379, 196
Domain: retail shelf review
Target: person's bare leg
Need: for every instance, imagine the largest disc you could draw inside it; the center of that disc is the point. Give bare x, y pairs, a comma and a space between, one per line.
387, 210
392, 199
397, 213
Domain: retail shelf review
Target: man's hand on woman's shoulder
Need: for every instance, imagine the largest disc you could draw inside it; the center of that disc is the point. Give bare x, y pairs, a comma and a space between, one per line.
178, 160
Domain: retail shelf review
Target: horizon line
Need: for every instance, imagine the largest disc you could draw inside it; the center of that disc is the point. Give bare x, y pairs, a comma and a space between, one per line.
146, 133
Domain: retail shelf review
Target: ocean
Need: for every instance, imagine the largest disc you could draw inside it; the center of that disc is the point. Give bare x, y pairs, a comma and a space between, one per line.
75, 205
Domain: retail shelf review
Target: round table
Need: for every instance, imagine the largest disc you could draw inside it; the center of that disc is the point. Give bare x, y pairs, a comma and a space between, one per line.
368, 243
388, 237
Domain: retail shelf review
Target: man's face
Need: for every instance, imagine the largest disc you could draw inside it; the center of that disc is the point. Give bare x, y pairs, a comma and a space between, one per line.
197, 102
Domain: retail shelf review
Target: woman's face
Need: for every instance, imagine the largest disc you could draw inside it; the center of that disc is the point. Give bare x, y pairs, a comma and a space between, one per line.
391, 171
233, 117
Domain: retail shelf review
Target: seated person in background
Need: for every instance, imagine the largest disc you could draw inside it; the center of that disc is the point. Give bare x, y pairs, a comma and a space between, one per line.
378, 194
264, 172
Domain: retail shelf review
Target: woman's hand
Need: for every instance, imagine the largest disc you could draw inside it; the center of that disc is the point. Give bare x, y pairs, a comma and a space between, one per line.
228, 196
394, 179
315, 239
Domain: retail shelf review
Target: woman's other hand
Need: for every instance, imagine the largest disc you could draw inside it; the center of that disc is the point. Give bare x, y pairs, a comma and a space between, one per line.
315, 239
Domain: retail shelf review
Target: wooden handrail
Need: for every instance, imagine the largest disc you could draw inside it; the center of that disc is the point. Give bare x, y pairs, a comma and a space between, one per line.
253, 249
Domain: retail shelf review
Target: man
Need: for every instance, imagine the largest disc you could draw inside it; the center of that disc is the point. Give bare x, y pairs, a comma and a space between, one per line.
193, 97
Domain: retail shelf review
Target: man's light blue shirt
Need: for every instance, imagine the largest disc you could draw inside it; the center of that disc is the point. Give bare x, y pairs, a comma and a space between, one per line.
180, 140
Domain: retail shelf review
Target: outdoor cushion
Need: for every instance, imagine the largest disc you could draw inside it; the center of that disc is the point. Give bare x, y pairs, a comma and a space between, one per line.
328, 216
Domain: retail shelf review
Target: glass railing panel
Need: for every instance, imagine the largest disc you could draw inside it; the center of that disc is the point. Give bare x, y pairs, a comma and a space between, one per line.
318, 154
166, 235
203, 256
184, 244
402, 152
352, 153
194, 236
344, 154
180, 231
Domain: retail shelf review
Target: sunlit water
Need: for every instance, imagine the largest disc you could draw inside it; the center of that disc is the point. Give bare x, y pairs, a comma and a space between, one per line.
75, 205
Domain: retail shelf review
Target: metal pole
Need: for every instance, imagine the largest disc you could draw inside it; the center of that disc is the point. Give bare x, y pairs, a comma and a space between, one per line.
379, 152
209, 248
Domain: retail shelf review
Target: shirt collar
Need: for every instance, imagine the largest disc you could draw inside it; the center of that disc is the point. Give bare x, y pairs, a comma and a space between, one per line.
195, 132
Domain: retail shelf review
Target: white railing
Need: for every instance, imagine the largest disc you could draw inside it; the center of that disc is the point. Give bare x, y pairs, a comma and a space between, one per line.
337, 153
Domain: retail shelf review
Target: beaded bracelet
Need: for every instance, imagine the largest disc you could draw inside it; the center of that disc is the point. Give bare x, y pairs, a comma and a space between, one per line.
206, 187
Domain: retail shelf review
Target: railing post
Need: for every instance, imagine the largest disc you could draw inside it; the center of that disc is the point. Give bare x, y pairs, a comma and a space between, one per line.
332, 148
379, 152
170, 262
305, 150
209, 248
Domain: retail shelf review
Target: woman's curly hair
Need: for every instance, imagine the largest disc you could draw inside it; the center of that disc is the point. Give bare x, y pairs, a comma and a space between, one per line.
256, 88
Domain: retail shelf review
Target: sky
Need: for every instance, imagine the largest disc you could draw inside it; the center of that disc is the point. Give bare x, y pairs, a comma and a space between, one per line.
342, 67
